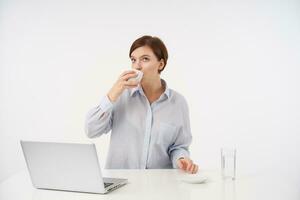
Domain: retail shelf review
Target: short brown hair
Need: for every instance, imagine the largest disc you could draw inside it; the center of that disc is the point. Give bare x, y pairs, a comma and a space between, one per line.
158, 47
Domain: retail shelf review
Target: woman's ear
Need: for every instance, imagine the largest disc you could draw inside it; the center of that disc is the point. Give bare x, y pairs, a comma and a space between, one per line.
161, 64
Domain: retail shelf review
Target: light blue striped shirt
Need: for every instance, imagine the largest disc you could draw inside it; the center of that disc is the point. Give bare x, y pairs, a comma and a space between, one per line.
143, 135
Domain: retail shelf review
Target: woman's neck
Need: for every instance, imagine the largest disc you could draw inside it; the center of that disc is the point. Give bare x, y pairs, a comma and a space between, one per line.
152, 88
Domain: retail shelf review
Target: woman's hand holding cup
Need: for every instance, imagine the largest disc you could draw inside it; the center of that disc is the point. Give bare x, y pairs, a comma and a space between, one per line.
128, 79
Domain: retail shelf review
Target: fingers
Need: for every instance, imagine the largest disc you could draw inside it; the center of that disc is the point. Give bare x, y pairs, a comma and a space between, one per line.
124, 79
187, 165
183, 163
193, 169
127, 72
121, 84
179, 164
129, 75
130, 86
196, 169
131, 83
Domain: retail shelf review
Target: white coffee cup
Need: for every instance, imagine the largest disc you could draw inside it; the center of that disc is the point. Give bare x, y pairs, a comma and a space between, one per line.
138, 77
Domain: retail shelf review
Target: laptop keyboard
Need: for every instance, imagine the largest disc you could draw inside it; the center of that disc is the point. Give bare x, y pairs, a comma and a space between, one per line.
107, 184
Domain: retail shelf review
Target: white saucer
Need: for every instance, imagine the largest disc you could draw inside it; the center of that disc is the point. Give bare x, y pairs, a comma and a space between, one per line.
193, 178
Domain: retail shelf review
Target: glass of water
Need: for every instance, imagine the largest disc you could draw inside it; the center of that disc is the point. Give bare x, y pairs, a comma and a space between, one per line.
228, 163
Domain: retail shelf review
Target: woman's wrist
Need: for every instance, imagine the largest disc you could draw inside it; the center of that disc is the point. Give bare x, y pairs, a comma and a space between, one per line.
111, 97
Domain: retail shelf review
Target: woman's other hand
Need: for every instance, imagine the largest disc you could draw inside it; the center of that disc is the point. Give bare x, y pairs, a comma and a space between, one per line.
187, 165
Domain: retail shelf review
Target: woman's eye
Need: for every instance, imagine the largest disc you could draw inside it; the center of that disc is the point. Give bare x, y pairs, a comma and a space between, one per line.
132, 60
145, 59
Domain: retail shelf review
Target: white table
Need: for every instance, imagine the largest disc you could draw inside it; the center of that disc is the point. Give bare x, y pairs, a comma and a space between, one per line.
161, 184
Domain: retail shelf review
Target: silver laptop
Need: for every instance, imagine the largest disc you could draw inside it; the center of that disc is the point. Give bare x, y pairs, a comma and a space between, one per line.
67, 166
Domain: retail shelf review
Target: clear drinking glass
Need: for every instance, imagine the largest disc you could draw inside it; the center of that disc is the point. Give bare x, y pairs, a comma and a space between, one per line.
228, 163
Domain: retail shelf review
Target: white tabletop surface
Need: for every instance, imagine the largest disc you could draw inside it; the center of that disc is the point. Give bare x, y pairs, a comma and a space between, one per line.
162, 184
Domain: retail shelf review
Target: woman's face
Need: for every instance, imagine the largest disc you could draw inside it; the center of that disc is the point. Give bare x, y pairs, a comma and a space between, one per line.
145, 60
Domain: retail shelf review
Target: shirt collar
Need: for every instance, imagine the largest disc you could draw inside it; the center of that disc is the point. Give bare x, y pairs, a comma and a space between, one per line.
140, 89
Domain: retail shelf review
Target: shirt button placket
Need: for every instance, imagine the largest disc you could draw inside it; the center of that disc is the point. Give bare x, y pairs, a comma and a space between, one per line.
147, 138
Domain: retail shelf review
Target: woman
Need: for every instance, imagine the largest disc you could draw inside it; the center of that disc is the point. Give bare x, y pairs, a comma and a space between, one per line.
149, 122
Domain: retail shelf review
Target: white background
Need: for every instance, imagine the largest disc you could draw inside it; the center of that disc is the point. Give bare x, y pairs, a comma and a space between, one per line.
236, 62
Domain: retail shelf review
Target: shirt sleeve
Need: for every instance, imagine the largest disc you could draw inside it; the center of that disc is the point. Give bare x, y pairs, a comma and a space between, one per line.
99, 119
184, 138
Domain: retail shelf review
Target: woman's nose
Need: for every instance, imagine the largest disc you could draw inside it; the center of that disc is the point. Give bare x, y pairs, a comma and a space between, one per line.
138, 66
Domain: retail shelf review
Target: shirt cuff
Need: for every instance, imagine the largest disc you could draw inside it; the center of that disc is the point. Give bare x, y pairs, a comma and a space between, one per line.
178, 153
105, 104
